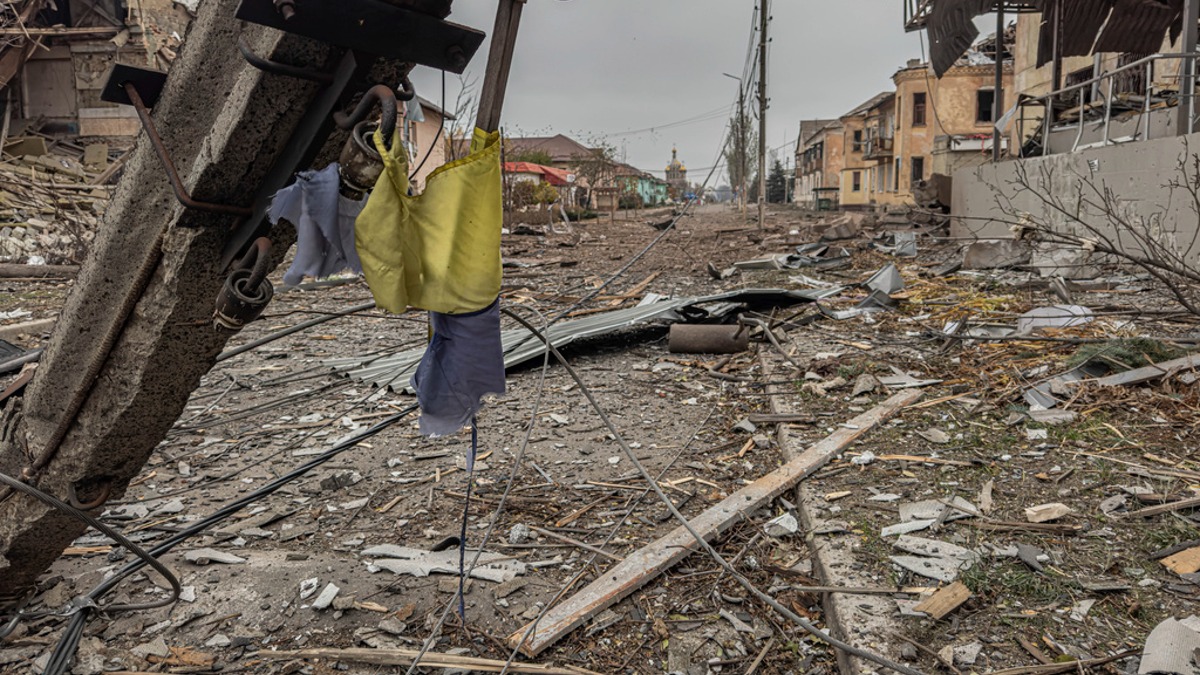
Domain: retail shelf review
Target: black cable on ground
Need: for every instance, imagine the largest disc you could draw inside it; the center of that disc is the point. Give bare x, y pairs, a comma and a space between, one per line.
700, 540
112, 533
64, 652
241, 349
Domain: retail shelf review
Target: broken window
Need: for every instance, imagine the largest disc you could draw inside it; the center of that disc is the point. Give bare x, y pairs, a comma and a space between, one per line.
896, 177
858, 140
1076, 77
857, 181
918, 169
985, 99
1132, 81
918, 112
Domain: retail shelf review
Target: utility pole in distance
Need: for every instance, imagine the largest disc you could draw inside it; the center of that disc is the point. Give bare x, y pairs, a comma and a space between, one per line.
764, 18
739, 140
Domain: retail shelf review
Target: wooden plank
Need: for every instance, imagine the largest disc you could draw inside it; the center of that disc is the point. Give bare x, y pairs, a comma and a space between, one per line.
1184, 562
404, 657
781, 418
643, 565
1180, 505
944, 601
635, 291
29, 328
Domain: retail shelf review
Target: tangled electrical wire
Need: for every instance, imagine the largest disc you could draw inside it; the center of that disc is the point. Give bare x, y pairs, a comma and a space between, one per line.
85, 606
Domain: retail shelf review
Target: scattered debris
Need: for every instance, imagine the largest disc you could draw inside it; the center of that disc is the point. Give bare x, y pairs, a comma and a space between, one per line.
1170, 649
945, 600
1045, 513
204, 556
782, 526
415, 562
995, 254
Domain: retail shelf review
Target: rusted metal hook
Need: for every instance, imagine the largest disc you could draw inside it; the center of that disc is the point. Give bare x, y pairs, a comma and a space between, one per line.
387, 100
73, 497
256, 260
284, 69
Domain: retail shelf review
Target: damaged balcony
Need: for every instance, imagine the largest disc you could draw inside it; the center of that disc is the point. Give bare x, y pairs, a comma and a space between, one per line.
878, 148
1135, 101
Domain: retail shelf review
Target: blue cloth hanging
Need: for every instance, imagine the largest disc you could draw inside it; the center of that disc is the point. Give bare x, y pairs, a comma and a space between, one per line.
324, 221
463, 363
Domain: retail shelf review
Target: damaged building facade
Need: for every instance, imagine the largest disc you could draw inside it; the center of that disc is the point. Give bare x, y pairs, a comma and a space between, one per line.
55, 58
1102, 136
899, 140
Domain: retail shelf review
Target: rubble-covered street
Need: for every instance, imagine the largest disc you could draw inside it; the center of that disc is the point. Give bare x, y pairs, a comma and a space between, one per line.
536, 336
980, 528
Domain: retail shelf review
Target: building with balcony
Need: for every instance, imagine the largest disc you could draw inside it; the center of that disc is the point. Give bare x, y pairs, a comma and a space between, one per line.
818, 162
859, 173
1104, 119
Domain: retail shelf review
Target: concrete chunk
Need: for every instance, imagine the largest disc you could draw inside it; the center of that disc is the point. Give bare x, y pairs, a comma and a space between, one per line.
996, 254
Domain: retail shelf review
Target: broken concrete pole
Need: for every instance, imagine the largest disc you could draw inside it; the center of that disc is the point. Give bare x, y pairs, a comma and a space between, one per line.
224, 123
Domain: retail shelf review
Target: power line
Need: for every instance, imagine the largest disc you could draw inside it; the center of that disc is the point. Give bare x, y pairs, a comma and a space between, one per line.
717, 113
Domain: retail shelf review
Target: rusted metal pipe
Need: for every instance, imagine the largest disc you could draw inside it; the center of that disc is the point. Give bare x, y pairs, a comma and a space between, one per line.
707, 339
181, 192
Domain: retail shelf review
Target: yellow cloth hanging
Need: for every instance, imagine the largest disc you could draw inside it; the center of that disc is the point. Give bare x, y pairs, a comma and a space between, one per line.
439, 250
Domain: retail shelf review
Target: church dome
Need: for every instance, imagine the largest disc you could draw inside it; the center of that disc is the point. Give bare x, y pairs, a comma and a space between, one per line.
675, 164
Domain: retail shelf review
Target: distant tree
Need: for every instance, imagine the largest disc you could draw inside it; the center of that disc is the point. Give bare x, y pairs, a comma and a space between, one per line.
532, 156
777, 184
458, 134
741, 161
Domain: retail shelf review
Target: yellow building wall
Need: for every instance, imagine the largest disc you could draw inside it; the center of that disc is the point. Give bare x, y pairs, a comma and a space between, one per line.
883, 185
950, 110
852, 161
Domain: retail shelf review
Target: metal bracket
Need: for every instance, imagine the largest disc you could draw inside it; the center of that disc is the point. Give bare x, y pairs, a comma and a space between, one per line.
148, 83
373, 27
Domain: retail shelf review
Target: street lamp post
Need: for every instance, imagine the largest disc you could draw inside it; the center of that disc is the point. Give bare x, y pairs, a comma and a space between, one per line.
740, 140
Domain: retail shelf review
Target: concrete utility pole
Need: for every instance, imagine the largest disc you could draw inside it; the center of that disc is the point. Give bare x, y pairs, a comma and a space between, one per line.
140, 314
764, 19
1187, 90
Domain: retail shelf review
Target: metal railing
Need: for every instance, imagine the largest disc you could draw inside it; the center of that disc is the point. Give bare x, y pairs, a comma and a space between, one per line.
1093, 89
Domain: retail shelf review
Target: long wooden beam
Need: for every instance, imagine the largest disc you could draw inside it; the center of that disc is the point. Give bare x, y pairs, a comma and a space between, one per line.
645, 564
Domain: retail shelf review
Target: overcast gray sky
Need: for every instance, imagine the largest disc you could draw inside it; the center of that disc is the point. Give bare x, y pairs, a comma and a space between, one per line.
602, 68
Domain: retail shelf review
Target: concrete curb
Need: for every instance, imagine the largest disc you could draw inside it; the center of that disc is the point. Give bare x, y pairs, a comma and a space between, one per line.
865, 621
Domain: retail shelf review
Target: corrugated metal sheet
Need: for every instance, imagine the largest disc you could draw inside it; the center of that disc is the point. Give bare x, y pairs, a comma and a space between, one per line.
1084, 18
952, 30
1139, 26
1129, 26
394, 371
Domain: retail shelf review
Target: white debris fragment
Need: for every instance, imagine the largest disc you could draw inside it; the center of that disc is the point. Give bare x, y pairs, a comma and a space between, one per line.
204, 556
325, 599
867, 457
782, 526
